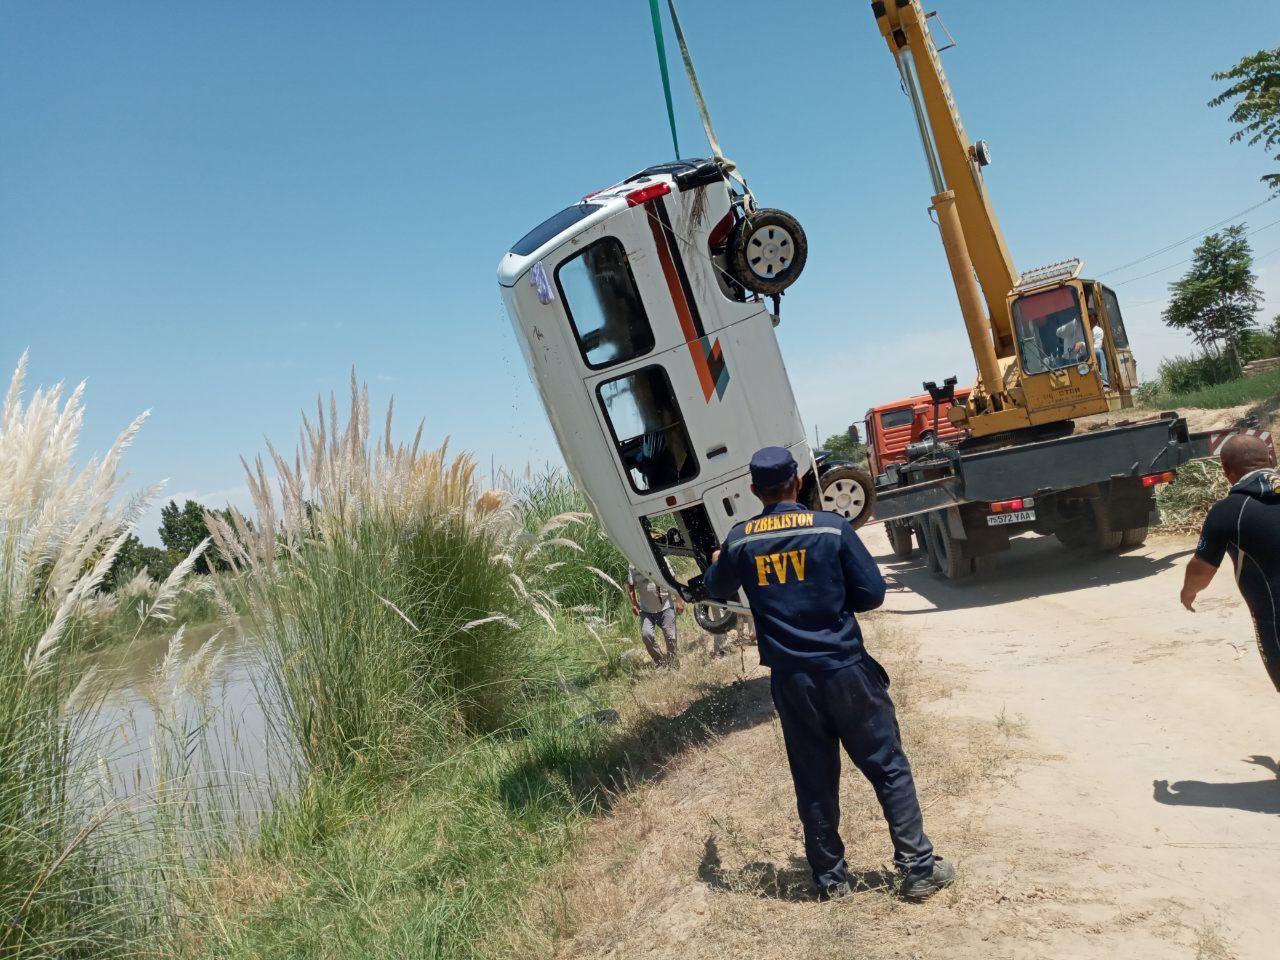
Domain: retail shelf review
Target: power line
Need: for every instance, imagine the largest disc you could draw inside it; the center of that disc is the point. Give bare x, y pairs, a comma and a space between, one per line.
1187, 260
1178, 243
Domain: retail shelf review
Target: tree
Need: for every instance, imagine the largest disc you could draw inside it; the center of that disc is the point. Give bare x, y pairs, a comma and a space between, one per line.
1256, 82
842, 447
181, 531
1217, 298
134, 556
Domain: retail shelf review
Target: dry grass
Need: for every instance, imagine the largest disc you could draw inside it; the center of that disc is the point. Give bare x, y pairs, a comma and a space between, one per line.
708, 860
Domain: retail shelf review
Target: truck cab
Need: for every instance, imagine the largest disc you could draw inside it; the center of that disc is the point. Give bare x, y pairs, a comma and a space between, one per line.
658, 367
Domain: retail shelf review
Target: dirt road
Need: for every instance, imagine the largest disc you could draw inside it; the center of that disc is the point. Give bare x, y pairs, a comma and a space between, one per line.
1157, 800
1101, 764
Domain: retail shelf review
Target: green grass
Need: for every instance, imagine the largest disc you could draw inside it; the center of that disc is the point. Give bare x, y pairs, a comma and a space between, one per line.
1230, 394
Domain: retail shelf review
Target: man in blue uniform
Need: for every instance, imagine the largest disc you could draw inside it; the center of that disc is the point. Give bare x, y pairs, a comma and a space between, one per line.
806, 574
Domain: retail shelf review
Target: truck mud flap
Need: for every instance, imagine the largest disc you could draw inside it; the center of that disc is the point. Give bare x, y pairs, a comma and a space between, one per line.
895, 503
1076, 461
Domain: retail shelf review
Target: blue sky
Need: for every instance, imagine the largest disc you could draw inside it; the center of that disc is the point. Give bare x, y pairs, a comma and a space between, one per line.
214, 210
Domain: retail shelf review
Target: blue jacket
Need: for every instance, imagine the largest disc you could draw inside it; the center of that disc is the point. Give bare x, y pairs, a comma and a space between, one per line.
806, 574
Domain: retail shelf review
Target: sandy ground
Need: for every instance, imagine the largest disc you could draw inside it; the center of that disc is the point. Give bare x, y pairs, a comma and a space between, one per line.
1157, 800
1101, 764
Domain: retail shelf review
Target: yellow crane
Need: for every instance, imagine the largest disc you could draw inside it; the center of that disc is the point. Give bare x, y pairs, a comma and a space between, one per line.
1032, 334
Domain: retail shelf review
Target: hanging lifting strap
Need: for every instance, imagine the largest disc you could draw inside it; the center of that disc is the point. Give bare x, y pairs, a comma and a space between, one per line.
662, 65
728, 166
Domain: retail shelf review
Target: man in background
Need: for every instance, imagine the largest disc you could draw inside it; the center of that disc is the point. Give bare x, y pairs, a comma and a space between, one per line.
653, 605
1246, 524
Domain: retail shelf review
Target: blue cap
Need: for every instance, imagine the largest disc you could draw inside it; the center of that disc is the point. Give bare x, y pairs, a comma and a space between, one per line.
772, 467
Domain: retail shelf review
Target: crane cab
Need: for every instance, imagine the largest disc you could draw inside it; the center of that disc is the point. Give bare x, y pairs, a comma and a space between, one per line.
1064, 369
659, 369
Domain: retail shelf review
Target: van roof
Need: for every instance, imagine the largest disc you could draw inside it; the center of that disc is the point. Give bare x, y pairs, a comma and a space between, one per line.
525, 252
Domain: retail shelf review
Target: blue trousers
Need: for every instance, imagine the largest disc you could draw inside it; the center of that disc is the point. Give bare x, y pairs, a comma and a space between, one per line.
849, 707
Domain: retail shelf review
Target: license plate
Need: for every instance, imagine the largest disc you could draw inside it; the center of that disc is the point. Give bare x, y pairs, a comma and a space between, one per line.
1017, 516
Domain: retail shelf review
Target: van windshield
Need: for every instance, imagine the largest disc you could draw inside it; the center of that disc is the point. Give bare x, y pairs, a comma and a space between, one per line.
1050, 333
552, 226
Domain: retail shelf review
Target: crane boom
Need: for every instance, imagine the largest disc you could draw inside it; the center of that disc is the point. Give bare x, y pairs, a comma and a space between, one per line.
953, 161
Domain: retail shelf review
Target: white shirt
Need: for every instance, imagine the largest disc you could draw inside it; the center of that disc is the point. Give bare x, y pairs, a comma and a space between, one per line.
1097, 338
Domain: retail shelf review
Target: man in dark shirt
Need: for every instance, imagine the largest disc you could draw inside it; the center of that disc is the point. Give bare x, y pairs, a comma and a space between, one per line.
1246, 524
806, 574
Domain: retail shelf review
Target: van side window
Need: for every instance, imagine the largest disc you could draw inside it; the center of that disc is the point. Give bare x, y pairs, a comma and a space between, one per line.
648, 431
604, 305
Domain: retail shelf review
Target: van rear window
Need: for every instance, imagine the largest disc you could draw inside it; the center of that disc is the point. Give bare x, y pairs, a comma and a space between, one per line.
544, 231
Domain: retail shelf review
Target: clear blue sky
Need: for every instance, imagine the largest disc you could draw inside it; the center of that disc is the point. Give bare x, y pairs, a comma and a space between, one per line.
215, 210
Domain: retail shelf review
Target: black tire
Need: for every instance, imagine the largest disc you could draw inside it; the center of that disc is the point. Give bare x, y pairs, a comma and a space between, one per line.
714, 618
1105, 537
767, 251
952, 563
1133, 537
848, 491
926, 544
901, 541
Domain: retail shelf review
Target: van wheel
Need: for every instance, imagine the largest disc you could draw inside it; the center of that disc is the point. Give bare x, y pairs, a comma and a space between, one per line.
849, 492
952, 563
767, 251
714, 618
900, 540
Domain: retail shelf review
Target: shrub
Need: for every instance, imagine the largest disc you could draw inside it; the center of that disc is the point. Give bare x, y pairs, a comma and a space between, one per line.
403, 606
1185, 374
60, 530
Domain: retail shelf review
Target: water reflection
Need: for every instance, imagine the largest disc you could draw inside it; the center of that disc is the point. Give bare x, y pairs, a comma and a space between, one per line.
187, 723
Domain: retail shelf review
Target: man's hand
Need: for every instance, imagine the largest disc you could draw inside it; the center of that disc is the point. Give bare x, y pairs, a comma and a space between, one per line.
679, 607
1189, 598
715, 555
635, 608
1199, 573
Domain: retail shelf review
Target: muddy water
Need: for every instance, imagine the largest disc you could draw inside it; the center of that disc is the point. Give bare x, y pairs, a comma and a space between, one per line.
189, 718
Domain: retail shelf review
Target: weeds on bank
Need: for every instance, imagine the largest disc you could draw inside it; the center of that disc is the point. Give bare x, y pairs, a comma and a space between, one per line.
61, 890
1229, 394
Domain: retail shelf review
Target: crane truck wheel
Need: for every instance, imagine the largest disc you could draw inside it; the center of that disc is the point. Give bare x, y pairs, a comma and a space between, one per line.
714, 618
900, 540
952, 563
850, 492
767, 251
1133, 537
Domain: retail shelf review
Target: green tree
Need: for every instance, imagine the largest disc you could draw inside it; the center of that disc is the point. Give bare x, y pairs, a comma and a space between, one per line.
133, 556
182, 529
1217, 299
1255, 88
843, 447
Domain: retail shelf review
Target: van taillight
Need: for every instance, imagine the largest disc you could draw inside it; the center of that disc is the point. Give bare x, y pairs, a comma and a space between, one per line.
1153, 479
637, 197
1017, 503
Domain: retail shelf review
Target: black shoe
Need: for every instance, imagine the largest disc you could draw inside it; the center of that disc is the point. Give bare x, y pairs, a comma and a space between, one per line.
834, 891
921, 888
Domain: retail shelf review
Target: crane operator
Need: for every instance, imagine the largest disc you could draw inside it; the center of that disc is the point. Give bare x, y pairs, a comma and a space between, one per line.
806, 574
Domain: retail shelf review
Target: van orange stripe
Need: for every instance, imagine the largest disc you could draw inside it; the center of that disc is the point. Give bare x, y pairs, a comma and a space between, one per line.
681, 306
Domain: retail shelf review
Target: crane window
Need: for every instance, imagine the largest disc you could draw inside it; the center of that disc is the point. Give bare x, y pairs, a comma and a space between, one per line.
604, 305
1050, 334
648, 431
1118, 332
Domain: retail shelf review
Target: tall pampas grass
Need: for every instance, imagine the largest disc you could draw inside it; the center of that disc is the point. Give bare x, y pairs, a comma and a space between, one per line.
403, 604
61, 525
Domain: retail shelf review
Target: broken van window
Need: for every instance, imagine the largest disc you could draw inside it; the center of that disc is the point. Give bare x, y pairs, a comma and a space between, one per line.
604, 305
648, 432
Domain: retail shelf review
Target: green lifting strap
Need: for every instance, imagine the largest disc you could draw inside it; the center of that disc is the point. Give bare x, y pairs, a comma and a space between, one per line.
666, 79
